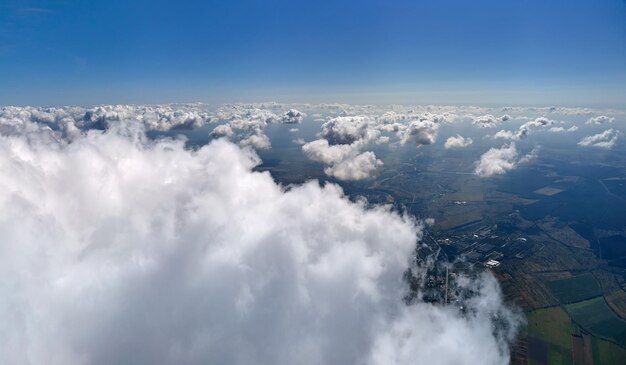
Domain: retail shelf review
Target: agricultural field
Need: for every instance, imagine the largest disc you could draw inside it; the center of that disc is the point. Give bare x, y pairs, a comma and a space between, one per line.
551, 324
553, 339
617, 301
575, 289
550, 339
563, 233
596, 317
607, 353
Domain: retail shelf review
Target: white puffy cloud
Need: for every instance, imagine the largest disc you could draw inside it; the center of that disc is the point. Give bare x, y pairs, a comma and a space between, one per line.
606, 139
509, 135
259, 115
320, 150
248, 122
457, 141
346, 130
524, 129
253, 124
489, 121
119, 249
394, 345
358, 167
158, 117
257, 140
345, 161
562, 129
292, 116
382, 139
222, 130
154, 117
420, 132
538, 123
340, 147
600, 119
498, 161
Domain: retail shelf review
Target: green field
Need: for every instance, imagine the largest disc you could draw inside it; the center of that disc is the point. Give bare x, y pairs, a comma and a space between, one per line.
552, 329
552, 325
607, 353
575, 289
596, 317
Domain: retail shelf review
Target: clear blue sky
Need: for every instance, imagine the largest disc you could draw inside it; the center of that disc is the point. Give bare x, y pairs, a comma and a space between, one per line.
438, 51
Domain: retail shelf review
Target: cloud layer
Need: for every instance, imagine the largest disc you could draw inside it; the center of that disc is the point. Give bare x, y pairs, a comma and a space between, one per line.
120, 249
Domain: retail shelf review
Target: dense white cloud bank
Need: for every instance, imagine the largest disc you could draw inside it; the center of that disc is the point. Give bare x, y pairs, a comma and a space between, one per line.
606, 139
118, 249
154, 117
498, 161
247, 122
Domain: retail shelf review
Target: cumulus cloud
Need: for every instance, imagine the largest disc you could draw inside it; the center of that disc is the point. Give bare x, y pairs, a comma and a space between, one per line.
600, 119
562, 129
538, 122
120, 249
258, 141
153, 117
498, 161
320, 150
420, 132
524, 129
358, 167
158, 117
247, 122
222, 130
394, 345
345, 161
606, 139
489, 121
457, 141
340, 147
510, 135
292, 116
346, 130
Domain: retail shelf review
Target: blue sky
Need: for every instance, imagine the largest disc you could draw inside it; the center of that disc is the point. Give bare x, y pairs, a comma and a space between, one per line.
436, 52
